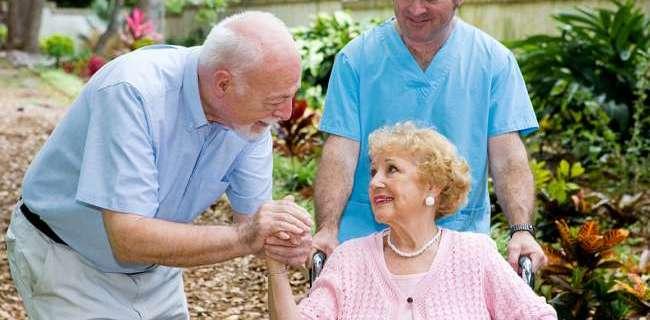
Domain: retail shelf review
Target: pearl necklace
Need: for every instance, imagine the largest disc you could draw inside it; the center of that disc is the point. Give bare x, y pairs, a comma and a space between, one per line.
418, 252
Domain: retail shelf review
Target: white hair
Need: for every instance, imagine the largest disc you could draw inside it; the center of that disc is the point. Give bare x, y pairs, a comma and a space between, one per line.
229, 46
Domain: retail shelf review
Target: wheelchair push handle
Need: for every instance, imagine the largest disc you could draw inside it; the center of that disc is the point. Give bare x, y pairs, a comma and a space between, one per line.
527, 274
317, 263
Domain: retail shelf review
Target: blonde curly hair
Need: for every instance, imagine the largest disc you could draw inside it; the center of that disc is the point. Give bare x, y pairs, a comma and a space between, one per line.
437, 161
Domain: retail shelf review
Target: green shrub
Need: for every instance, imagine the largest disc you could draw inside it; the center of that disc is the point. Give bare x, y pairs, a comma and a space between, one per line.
319, 43
58, 46
292, 175
584, 82
558, 196
175, 6
102, 9
207, 15
499, 233
3, 34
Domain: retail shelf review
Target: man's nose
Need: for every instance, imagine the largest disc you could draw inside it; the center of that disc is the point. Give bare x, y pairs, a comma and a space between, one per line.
417, 8
284, 111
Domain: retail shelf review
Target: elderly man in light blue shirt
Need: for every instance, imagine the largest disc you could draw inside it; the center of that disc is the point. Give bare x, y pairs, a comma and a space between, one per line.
154, 139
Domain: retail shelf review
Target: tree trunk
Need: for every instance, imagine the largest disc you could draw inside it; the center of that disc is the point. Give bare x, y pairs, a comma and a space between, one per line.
34, 25
154, 10
15, 29
24, 24
112, 27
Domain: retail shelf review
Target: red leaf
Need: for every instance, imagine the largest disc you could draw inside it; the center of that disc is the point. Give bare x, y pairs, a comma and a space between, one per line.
299, 106
94, 64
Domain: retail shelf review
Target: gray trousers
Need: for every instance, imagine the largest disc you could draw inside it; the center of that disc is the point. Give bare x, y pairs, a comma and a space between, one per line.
55, 282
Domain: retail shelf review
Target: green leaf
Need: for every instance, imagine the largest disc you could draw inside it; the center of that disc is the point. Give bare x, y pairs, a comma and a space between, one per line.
577, 170
563, 169
570, 186
174, 6
626, 54
559, 87
541, 175
557, 190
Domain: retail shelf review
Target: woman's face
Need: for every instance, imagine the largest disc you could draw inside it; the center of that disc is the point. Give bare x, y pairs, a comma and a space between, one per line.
395, 189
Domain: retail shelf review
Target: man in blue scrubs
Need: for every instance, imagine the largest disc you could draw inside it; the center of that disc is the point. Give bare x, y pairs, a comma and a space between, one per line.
154, 139
429, 66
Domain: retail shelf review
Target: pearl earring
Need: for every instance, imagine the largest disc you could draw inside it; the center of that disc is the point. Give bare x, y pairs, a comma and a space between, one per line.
429, 201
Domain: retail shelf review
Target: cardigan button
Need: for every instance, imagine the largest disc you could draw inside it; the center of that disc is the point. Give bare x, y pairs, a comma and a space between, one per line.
409, 300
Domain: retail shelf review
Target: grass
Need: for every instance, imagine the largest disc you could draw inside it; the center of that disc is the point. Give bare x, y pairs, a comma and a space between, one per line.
68, 84
26, 86
12, 77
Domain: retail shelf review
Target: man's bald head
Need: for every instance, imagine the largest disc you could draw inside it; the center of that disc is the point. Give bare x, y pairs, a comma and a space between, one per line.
249, 70
245, 41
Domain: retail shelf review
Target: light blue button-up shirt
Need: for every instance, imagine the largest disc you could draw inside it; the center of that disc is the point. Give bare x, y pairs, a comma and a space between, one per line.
136, 140
471, 91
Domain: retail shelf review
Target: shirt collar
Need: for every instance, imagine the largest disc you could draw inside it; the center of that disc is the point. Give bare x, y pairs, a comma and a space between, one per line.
190, 89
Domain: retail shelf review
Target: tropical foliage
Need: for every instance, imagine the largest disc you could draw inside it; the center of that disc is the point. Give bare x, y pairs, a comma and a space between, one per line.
298, 136
590, 85
319, 43
581, 286
138, 31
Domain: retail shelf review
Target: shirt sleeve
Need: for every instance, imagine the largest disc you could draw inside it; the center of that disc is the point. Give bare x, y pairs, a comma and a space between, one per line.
510, 106
118, 170
341, 113
251, 179
507, 295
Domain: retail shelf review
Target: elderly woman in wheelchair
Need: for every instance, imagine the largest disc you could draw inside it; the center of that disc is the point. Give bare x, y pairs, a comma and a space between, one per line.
413, 269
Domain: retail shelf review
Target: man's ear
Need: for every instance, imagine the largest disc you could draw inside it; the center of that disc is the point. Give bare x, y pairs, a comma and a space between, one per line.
222, 82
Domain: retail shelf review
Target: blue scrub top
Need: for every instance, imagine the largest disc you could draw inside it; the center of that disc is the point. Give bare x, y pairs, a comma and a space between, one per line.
472, 90
136, 140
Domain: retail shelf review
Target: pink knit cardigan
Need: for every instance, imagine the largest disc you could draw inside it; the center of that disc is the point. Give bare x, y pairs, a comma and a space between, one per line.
468, 279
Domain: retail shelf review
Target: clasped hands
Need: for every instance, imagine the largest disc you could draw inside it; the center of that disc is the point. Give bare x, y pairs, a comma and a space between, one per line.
281, 231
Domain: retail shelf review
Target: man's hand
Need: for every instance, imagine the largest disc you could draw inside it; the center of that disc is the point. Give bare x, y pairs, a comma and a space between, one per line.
286, 247
279, 217
294, 251
325, 240
523, 244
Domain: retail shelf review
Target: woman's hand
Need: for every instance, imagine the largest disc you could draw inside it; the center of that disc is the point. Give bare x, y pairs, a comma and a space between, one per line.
287, 247
293, 251
282, 304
